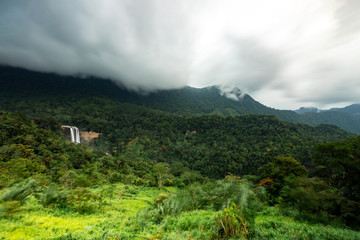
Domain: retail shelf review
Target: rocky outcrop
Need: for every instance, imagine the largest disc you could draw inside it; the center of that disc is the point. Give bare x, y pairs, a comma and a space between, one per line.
88, 135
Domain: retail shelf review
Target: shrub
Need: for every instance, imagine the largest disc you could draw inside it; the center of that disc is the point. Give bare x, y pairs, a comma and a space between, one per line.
82, 197
52, 196
213, 196
115, 177
20, 191
233, 223
129, 179
9, 208
161, 197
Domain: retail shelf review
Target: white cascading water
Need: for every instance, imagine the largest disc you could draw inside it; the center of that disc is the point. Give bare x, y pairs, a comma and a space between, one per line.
77, 135
74, 134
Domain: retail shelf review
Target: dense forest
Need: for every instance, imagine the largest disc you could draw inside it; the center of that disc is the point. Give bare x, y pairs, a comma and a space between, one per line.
160, 169
212, 144
173, 177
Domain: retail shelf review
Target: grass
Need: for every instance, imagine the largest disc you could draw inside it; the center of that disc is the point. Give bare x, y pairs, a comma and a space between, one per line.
120, 217
270, 224
36, 222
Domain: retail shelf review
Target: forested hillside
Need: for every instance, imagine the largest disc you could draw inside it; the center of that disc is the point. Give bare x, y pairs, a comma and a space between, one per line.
20, 87
54, 189
212, 144
181, 164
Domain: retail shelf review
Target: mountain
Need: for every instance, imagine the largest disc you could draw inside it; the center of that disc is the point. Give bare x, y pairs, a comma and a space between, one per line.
20, 87
344, 120
307, 109
19, 83
352, 109
347, 118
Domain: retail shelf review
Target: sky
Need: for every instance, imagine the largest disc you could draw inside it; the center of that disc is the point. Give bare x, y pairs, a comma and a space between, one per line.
284, 53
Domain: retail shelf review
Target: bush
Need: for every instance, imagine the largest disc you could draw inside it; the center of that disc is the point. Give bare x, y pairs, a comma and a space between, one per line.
233, 223
52, 196
215, 196
161, 197
129, 179
81, 197
9, 208
20, 191
115, 177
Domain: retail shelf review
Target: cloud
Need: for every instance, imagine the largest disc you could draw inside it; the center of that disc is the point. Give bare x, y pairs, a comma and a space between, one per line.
285, 53
117, 39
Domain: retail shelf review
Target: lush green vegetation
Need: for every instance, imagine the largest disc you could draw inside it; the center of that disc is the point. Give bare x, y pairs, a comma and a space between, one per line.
211, 144
53, 189
158, 171
22, 90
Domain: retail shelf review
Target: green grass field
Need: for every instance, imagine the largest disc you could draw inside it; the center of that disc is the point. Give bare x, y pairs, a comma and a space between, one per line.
121, 215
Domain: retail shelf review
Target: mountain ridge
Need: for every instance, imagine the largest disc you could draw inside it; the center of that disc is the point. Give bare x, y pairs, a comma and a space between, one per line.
24, 85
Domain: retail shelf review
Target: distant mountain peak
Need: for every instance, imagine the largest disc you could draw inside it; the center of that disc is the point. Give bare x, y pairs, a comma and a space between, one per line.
232, 93
307, 109
352, 109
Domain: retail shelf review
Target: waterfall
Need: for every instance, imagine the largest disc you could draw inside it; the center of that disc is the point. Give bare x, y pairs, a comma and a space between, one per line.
74, 134
77, 135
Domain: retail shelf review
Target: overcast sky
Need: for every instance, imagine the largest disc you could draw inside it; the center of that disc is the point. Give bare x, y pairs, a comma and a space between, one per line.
284, 53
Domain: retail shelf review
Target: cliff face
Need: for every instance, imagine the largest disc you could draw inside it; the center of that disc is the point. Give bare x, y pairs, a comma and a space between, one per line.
88, 135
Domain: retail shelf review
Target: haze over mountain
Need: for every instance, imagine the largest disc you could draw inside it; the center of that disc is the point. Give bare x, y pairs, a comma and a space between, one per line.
21, 89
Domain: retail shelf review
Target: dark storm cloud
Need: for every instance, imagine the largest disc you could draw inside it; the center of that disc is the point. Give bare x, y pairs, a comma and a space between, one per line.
285, 53
116, 39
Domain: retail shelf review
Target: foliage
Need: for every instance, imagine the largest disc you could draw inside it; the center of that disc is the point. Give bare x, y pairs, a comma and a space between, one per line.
211, 145
161, 197
119, 217
9, 208
22, 90
275, 173
50, 188
20, 191
82, 197
310, 195
339, 165
233, 223
54, 197
215, 196
271, 224
161, 171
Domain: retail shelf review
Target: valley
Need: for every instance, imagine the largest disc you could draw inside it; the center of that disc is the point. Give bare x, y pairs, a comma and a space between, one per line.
176, 164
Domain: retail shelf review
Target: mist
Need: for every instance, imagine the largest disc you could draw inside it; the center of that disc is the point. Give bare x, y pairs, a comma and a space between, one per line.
285, 53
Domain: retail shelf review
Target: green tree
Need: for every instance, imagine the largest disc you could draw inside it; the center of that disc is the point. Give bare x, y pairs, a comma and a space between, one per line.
161, 170
338, 164
278, 170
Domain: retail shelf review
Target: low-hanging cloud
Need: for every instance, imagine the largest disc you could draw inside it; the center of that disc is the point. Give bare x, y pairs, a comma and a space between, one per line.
286, 53
112, 39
